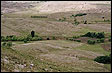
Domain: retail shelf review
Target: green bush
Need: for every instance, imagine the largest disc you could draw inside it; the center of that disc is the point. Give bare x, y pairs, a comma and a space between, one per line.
20, 38
80, 14
95, 35
9, 44
71, 39
54, 38
4, 44
39, 38
34, 39
25, 41
103, 59
110, 39
100, 35
9, 38
100, 40
91, 42
2, 38
78, 40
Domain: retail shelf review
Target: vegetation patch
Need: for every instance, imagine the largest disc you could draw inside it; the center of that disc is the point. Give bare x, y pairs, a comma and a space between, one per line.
103, 59
38, 16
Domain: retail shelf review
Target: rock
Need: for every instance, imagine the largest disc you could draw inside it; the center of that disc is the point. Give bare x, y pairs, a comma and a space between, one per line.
28, 71
24, 65
21, 66
15, 70
5, 60
31, 65
46, 69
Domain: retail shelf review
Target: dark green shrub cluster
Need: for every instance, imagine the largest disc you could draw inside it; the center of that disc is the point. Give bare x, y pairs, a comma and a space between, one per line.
7, 44
21, 38
91, 42
95, 35
74, 38
103, 59
38, 16
9, 38
100, 40
78, 40
80, 14
71, 39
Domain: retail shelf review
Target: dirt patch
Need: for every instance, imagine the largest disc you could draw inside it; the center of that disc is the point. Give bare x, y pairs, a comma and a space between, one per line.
106, 46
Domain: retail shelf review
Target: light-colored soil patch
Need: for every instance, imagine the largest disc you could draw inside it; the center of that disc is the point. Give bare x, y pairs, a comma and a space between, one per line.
106, 46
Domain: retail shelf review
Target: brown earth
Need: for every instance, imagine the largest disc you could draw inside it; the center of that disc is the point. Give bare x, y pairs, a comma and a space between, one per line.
106, 46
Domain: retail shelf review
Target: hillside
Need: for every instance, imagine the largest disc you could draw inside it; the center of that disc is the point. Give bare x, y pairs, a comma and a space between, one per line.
60, 24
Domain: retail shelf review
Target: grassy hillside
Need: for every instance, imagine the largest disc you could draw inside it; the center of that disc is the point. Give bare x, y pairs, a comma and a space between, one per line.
52, 56
48, 21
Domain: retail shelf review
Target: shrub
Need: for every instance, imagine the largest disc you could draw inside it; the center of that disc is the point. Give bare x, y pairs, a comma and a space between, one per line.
71, 39
39, 38
103, 59
78, 40
4, 44
2, 38
91, 42
53, 38
34, 39
20, 39
95, 35
48, 39
80, 14
9, 44
100, 35
25, 41
100, 40
110, 39
14, 38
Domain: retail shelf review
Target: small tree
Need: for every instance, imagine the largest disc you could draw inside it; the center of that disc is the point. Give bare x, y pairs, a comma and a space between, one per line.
32, 33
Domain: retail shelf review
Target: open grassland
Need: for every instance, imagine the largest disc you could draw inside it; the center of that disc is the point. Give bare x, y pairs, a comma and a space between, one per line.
53, 56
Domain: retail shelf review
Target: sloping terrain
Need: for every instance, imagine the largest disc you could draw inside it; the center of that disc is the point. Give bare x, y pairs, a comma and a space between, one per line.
52, 56
55, 55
